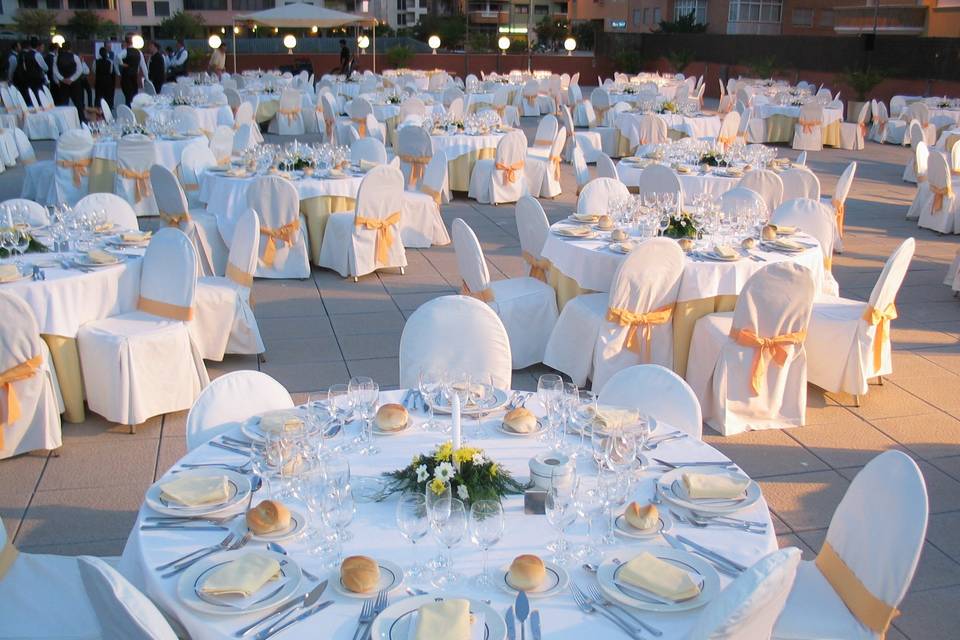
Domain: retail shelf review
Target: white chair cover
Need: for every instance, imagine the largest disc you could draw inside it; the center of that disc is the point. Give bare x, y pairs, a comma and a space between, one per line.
543, 171
873, 544
36, 213
545, 135
816, 219
136, 153
144, 363
289, 118
121, 610
765, 182
736, 395
421, 223
414, 150
808, 132
455, 333
659, 393
369, 149
231, 399
800, 182
606, 168
283, 244
244, 139
729, 127
194, 160
595, 197
73, 158
599, 334
838, 202
580, 169
743, 198
658, 178
918, 169
117, 210
853, 134
502, 179
940, 213
221, 144
412, 107
105, 110
199, 226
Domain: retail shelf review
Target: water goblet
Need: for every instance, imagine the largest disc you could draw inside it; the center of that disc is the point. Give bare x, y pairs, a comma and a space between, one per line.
486, 529
429, 383
449, 532
561, 514
413, 523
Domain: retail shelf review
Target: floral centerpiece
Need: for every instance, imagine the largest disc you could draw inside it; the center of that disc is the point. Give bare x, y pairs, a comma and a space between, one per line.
630, 90
296, 161
668, 107
34, 246
681, 226
944, 104
712, 158
394, 99
470, 474
180, 101
798, 102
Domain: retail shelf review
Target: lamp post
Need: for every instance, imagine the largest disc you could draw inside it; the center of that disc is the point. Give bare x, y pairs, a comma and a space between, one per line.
290, 42
434, 43
58, 39
363, 42
214, 41
570, 44
504, 44
137, 41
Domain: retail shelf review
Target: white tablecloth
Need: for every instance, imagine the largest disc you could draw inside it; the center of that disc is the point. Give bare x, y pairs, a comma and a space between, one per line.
764, 111
375, 533
167, 151
224, 194
692, 183
593, 265
461, 144
208, 117
942, 115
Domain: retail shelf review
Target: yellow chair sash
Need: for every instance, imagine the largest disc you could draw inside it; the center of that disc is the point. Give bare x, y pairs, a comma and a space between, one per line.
939, 194
239, 276
840, 210
509, 171
531, 100
328, 123
555, 164
642, 322
600, 113
79, 168
542, 143
538, 266
289, 114
165, 309
141, 185
8, 555
765, 350
881, 125
20, 372
361, 126
880, 318
863, 129
384, 233
808, 125
501, 110
484, 295
417, 165
283, 234
174, 219
190, 186
871, 611
433, 193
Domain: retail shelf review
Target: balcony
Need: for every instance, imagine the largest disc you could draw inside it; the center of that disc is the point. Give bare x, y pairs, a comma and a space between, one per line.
489, 17
890, 19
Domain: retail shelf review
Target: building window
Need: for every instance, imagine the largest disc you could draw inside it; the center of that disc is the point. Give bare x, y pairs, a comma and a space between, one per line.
88, 4
656, 15
802, 17
522, 9
826, 18
637, 17
755, 10
28, 4
682, 8
54, 4
540, 10
138, 8
646, 15
252, 5
205, 5
161, 8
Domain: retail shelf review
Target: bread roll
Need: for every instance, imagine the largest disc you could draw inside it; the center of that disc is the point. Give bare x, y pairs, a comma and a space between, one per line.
527, 572
360, 574
645, 517
605, 222
267, 517
520, 420
392, 417
619, 235
769, 232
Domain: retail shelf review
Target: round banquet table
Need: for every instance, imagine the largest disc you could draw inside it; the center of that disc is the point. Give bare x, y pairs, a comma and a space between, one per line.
694, 182
375, 533
580, 266
389, 114
208, 116
779, 121
265, 105
66, 300
462, 152
167, 152
678, 126
226, 197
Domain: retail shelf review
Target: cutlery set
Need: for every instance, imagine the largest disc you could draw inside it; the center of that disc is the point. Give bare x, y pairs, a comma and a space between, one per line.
520, 612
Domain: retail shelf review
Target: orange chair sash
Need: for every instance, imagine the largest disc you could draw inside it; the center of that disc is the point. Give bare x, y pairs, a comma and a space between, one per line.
766, 350
17, 373
542, 143
79, 168
880, 318
417, 165
531, 100
284, 234
8, 555
939, 195
484, 295
555, 164
871, 611
174, 219
601, 113
289, 114
538, 266
141, 185
726, 141
840, 210
509, 171
640, 322
165, 309
384, 233
238, 275
808, 125
361, 126
433, 193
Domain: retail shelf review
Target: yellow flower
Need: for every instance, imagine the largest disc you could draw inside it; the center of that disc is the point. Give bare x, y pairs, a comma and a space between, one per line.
464, 454
494, 470
444, 451
416, 460
437, 486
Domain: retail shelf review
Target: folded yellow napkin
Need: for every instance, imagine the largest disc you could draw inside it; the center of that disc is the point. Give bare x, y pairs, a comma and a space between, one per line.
276, 421
573, 231
785, 229
99, 256
683, 169
135, 236
610, 418
9, 272
366, 165
788, 244
244, 576
704, 485
586, 217
100, 228
446, 620
724, 251
192, 491
656, 576
237, 173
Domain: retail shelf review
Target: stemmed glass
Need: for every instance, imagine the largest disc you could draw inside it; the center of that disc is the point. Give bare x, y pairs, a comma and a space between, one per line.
614, 489
620, 450
549, 390
438, 508
7, 241
486, 529
365, 393
338, 511
560, 514
429, 383
21, 240
312, 488
336, 470
589, 503
413, 522
569, 403
449, 532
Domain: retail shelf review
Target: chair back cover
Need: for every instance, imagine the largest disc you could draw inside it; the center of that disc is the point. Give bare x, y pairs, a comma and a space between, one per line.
470, 260
455, 333
244, 138
414, 147
765, 182
36, 213
652, 130
546, 130
914, 133
19, 344
532, 225
24, 146
938, 173
171, 200
244, 114
885, 290
743, 198
194, 160
369, 149
244, 249
606, 168
511, 151
659, 392
455, 110
122, 611
229, 400
105, 110
379, 202
233, 98
580, 169
800, 183
125, 115
921, 154
600, 101
844, 182
412, 107
169, 272
117, 210
186, 120
729, 128
73, 157
954, 159
814, 218
596, 195
658, 178
136, 153
918, 111
221, 144
435, 176
277, 202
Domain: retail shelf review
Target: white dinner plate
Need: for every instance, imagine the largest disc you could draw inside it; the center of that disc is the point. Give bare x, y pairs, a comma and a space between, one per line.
619, 247
574, 232
270, 595
251, 426
441, 405
118, 241
712, 255
504, 430
238, 491
298, 522
83, 261
556, 581
776, 246
394, 622
700, 571
391, 577
625, 529
20, 278
671, 487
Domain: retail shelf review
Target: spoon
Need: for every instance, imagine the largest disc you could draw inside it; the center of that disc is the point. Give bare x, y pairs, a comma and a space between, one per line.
277, 548
255, 483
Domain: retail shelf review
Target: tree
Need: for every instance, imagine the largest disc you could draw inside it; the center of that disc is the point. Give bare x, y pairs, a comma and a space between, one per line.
451, 29
35, 22
183, 26
87, 25
399, 57
684, 24
584, 32
680, 59
551, 32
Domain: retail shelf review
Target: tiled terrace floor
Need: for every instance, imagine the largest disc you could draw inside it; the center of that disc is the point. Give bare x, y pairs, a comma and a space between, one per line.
326, 329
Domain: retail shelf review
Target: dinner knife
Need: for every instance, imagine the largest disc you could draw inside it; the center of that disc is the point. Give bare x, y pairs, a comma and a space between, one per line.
511, 624
711, 553
720, 566
523, 610
535, 624
307, 600
303, 616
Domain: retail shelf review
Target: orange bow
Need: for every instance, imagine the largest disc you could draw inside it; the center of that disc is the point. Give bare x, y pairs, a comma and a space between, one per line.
165, 309
538, 266
863, 129
417, 164
531, 100
808, 125
430, 191
601, 113
840, 210
484, 295
642, 322
555, 163
20, 372
361, 126
881, 125
765, 350
283, 234
509, 171
328, 123
289, 114
542, 143
174, 219
880, 320
79, 168
938, 196
726, 141
141, 180
239, 276
384, 233
871, 611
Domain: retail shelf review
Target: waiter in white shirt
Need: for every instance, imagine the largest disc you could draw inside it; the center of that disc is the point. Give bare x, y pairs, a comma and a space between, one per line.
66, 73
132, 69
12, 57
178, 63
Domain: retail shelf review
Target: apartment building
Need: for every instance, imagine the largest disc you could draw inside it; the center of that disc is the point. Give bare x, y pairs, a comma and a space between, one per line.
513, 16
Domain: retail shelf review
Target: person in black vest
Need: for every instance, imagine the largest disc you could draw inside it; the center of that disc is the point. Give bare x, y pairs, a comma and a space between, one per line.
50, 54
67, 74
157, 69
105, 78
344, 57
12, 57
132, 68
178, 63
32, 69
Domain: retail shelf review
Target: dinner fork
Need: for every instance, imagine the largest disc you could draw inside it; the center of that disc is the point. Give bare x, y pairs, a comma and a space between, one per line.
378, 607
703, 524
594, 594
366, 615
223, 544
586, 607
186, 565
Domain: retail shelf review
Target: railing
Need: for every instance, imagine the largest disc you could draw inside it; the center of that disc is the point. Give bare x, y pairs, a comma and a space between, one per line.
889, 19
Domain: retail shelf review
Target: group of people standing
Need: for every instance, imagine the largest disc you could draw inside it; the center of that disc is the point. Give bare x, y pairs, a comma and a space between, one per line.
132, 66
31, 65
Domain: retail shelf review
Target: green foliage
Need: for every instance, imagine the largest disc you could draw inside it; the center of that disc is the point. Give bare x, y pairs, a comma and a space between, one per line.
585, 34
862, 82
483, 41
35, 22
451, 30
198, 59
399, 57
763, 67
552, 31
683, 24
183, 26
628, 61
680, 59
87, 25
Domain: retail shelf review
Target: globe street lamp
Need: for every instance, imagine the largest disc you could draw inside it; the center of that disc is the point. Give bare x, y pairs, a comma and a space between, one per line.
137, 41
290, 42
570, 44
214, 41
434, 43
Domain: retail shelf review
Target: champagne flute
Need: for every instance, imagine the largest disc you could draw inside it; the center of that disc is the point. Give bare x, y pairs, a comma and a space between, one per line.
486, 529
413, 523
366, 392
560, 514
21, 240
549, 387
338, 511
438, 509
429, 382
449, 532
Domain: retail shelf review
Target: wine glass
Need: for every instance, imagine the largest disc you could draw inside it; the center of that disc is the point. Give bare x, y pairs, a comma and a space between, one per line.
413, 523
549, 388
365, 393
21, 240
341, 405
336, 469
429, 383
338, 511
449, 532
620, 450
560, 514
486, 529
569, 401
589, 503
7, 242
614, 489
311, 489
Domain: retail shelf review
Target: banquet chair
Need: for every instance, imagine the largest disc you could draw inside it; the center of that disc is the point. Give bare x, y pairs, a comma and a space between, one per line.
659, 392
596, 195
117, 210
368, 151
543, 173
455, 110
414, 149
868, 559
508, 113
125, 115
765, 182
186, 121
748, 367
455, 333
136, 153
856, 331
31, 417
198, 225
916, 138
359, 109
729, 128
412, 107
681, 94
748, 608
650, 130
817, 220
221, 144
590, 142
808, 132
105, 111
742, 198
244, 139
503, 178
289, 118
529, 104
921, 158
233, 99
35, 213
726, 100
939, 212
581, 118
195, 158
121, 610
347, 135
824, 95
853, 134
421, 224
527, 306
658, 178
376, 130
600, 101
632, 324
246, 114
800, 182
544, 137
839, 200
73, 157
283, 239
532, 229
895, 125
450, 94
331, 123
144, 363
39, 175
580, 169
365, 240
27, 155
920, 112
800, 160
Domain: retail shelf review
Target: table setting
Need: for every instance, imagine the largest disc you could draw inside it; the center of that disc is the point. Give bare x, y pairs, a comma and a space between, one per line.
411, 514
464, 141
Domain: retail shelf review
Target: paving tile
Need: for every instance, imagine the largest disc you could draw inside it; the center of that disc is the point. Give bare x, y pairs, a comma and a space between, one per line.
296, 307
889, 401
793, 540
939, 391
766, 453
303, 350
359, 347
98, 429
363, 323
109, 463
930, 614
19, 476
932, 435
384, 371
230, 364
806, 500
312, 376
80, 515
171, 450
102, 548
848, 442
414, 300
357, 301
175, 424
289, 328
942, 531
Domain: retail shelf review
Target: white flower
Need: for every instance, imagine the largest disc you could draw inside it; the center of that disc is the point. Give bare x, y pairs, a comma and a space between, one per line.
462, 493
444, 471
477, 459
422, 474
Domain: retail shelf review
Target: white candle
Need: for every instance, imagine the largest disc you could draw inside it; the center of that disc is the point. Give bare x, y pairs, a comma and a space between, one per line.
455, 413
